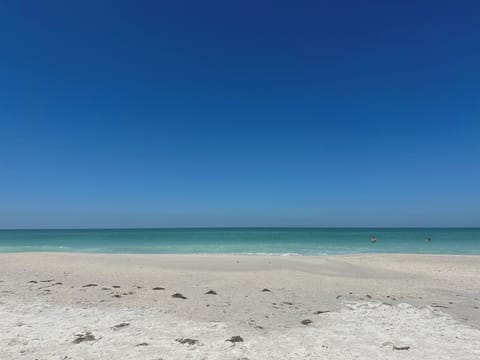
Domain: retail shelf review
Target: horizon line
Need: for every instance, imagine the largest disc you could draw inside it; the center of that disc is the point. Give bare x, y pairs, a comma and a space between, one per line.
234, 227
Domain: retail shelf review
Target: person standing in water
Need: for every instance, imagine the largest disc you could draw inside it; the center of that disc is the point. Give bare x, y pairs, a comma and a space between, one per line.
373, 239
428, 240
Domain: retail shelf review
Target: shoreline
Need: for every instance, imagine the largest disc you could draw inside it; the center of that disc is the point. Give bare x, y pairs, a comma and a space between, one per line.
273, 255
427, 302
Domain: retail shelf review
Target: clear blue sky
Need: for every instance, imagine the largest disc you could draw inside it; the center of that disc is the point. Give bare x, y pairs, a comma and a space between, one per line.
239, 113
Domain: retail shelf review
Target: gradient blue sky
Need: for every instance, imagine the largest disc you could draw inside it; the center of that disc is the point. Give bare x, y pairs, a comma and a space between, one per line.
239, 113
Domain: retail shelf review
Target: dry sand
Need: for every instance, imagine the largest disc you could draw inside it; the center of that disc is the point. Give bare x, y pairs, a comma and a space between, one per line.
357, 307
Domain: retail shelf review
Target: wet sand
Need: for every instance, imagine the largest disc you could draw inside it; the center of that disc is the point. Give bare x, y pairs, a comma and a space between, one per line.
90, 306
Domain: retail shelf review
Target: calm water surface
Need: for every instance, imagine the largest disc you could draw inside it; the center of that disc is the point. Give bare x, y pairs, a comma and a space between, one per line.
279, 241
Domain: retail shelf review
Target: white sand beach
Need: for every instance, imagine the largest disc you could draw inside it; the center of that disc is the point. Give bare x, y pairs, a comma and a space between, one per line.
103, 306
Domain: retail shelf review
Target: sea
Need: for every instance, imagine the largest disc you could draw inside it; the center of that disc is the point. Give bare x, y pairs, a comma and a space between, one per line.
252, 241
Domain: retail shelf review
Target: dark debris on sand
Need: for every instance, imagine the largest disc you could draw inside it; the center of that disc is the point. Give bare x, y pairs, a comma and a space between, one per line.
321, 312
89, 285
211, 292
117, 296
306, 322
395, 347
439, 306
400, 347
116, 286
79, 338
158, 288
235, 339
266, 290
120, 326
142, 344
179, 296
187, 341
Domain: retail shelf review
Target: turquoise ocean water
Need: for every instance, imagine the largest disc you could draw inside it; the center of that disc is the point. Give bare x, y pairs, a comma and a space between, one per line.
278, 241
